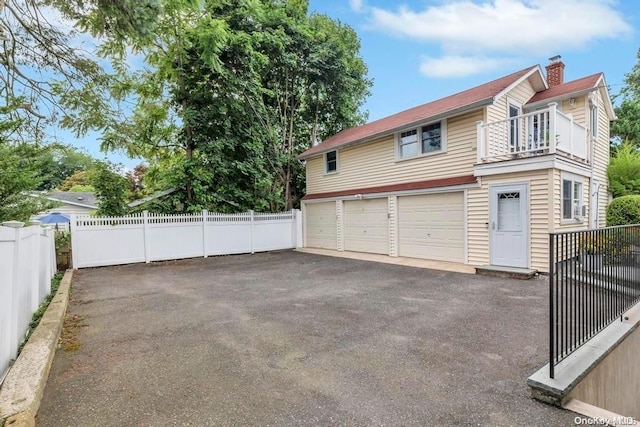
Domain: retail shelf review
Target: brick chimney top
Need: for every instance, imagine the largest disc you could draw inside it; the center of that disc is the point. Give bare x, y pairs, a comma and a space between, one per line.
555, 71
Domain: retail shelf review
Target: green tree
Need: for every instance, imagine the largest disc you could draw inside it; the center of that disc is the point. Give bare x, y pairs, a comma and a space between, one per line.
20, 166
110, 189
78, 178
61, 163
44, 79
237, 91
624, 171
627, 128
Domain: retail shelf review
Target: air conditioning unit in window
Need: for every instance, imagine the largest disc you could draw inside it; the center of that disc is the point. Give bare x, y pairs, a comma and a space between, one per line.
580, 211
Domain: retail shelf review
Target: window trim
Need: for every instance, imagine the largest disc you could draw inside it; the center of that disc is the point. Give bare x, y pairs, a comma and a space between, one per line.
326, 171
574, 179
418, 129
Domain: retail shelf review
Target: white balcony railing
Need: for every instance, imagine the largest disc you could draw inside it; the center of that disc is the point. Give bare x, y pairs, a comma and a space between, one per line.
547, 131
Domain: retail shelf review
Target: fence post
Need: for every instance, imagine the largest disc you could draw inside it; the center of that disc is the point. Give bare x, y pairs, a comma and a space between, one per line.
298, 227
73, 227
14, 337
551, 301
145, 233
251, 228
204, 233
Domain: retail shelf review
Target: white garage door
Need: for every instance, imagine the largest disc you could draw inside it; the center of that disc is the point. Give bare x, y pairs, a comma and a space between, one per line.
431, 226
321, 225
366, 226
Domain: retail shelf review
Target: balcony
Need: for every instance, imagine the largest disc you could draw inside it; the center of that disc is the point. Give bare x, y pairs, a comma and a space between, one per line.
541, 132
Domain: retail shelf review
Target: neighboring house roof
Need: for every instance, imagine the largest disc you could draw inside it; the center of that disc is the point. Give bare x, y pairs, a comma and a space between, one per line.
467, 100
84, 199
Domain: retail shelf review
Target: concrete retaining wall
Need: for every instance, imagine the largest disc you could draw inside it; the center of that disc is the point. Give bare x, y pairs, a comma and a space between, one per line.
614, 384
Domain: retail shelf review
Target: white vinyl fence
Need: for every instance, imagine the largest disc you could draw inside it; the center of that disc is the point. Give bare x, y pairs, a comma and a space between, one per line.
103, 241
27, 264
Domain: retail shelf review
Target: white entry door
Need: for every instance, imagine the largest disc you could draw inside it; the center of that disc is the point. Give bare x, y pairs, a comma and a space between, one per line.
509, 225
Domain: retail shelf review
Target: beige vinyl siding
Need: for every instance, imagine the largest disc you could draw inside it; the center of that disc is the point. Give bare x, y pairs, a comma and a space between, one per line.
478, 216
579, 110
521, 93
374, 163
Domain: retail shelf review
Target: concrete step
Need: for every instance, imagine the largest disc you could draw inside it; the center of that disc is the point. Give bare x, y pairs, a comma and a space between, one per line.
506, 272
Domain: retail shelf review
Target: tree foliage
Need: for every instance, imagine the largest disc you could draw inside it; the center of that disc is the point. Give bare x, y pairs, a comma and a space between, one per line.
235, 91
20, 166
627, 128
624, 210
45, 77
110, 189
624, 171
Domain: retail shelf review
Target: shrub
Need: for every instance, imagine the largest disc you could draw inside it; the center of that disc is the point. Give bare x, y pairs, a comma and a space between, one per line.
624, 171
624, 210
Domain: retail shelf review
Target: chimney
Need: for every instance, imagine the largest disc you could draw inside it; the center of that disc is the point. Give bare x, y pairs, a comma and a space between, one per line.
555, 71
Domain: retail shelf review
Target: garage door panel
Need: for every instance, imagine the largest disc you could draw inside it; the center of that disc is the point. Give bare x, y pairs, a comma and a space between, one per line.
321, 225
366, 226
431, 226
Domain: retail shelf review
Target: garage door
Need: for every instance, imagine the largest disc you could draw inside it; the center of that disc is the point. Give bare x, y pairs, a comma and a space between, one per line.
366, 226
431, 226
321, 225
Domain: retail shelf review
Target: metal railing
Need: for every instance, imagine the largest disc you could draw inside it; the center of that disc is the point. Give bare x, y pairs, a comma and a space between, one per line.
594, 278
545, 131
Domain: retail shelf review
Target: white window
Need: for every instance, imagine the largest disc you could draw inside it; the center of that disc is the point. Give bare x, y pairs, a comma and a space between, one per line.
423, 140
571, 199
594, 119
331, 162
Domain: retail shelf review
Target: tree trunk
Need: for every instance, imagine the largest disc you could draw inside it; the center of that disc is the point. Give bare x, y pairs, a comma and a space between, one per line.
189, 157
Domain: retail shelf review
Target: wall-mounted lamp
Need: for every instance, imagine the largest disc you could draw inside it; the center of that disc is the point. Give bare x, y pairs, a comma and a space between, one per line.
572, 102
358, 196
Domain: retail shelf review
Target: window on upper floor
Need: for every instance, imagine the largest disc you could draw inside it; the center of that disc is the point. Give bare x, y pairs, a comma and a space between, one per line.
422, 140
331, 162
572, 199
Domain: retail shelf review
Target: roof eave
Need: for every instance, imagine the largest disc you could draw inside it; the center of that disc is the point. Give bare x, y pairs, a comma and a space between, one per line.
369, 138
560, 97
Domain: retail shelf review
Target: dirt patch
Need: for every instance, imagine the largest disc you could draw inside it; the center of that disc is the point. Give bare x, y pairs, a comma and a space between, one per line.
69, 337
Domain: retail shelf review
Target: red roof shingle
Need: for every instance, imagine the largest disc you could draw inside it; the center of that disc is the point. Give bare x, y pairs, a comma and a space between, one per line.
467, 98
574, 86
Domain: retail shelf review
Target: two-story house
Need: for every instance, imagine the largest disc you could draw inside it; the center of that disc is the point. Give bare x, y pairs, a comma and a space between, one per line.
480, 177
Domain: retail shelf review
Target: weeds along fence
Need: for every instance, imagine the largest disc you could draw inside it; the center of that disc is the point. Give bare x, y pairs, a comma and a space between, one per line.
145, 237
27, 264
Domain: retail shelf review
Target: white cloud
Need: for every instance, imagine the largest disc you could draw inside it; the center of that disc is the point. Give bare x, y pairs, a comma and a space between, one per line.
460, 66
507, 26
356, 5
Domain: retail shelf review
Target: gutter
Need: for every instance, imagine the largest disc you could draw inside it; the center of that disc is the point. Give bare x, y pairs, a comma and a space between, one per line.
369, 138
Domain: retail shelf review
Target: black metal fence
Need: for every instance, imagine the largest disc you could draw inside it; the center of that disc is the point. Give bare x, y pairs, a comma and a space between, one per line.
594, 278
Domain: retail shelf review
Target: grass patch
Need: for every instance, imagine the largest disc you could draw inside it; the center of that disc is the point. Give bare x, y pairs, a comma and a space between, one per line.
37, 315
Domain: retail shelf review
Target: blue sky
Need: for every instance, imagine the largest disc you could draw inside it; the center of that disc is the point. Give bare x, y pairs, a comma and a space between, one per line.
420, 50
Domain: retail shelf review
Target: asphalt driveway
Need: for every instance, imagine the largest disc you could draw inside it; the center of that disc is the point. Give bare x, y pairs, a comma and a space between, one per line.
298, 339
